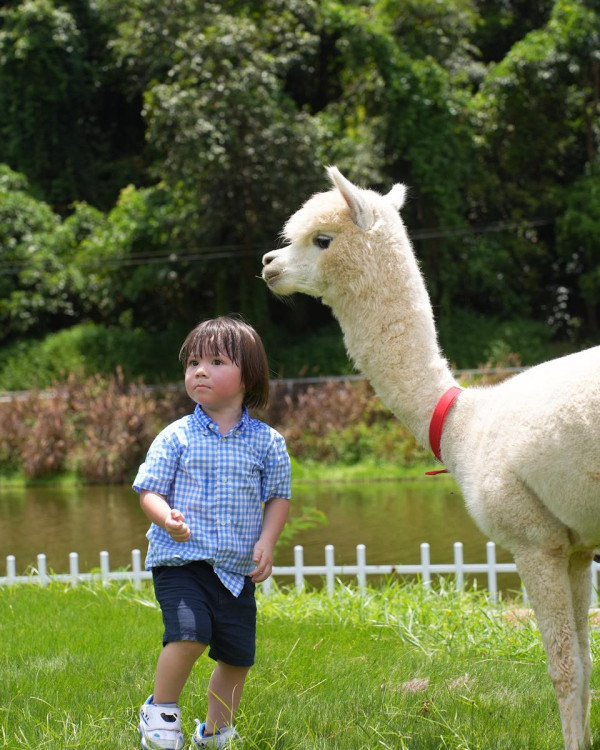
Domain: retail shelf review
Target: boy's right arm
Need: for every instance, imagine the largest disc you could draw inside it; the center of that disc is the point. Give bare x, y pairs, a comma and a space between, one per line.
159, 512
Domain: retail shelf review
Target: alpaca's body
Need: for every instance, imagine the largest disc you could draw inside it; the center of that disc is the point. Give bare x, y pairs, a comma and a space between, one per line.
526, 452
539, 428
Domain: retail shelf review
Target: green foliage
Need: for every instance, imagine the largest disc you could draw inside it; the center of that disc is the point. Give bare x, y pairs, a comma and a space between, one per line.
232, 108
31, 273
543, 94
309, 518
58, 98
308, 353
471, 340
232, 142
88, 349
131, 262
577, 243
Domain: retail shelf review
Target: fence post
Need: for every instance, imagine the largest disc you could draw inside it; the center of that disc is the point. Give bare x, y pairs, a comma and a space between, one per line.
74, 568
299, 566
425, 562
490, 549
136, 566
594, 598
458, 562
104, 568
266, 586
361, 564
42, 573
330, 568
11, 569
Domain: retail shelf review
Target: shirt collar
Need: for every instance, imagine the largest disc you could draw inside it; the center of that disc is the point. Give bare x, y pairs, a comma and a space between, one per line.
206, 422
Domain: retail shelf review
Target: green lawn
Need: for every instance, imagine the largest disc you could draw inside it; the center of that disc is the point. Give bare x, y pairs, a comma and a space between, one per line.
398, 667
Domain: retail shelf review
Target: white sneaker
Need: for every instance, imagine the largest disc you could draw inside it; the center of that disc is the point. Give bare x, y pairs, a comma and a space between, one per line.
160, 727
225, 737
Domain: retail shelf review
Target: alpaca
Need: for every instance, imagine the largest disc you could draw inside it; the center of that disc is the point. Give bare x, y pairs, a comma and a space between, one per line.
525, 452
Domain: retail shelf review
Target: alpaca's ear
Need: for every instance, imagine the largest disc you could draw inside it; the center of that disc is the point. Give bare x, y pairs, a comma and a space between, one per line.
361, 212
397, 195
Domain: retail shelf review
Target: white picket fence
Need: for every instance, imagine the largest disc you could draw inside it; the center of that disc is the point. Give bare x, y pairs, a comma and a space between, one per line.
330, 572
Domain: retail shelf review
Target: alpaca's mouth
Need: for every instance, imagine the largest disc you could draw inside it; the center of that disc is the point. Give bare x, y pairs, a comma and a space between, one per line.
271, 276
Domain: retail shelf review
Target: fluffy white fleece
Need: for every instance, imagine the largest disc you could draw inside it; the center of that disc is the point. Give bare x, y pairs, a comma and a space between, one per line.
526, 452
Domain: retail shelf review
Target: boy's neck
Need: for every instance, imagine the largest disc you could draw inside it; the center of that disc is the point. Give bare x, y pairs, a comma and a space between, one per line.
225, 419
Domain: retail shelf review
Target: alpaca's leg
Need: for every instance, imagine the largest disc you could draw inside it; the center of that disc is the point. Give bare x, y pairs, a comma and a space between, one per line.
548, 586
581, 586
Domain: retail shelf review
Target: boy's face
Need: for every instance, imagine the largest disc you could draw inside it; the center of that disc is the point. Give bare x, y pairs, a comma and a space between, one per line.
214, 382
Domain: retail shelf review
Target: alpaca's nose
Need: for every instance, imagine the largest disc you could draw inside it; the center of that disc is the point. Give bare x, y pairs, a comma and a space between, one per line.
268, 257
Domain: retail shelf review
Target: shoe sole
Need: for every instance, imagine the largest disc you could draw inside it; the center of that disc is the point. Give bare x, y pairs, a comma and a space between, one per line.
144, 745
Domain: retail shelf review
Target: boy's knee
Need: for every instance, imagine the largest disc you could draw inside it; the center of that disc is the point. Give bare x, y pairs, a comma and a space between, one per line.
189, 649
232, 670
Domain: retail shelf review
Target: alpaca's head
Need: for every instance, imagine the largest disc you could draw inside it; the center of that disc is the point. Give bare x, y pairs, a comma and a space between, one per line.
331, 238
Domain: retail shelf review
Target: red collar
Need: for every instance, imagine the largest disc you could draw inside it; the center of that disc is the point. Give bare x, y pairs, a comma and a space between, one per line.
438, 418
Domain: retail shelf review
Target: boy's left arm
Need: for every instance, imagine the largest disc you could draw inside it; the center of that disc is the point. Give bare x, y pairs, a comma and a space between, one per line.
275, 516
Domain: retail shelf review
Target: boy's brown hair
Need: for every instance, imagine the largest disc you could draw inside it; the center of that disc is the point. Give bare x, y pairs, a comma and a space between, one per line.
239, 341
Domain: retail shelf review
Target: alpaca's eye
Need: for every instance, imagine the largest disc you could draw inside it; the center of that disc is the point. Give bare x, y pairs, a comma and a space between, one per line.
322, 241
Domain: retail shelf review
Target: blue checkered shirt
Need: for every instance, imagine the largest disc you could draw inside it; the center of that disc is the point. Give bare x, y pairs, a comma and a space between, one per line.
220, 484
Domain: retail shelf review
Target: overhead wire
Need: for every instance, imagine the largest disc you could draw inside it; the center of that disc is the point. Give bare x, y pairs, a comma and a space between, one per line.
220, 252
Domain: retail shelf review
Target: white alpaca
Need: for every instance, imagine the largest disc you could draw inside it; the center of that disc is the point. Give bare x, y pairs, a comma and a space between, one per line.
525, 452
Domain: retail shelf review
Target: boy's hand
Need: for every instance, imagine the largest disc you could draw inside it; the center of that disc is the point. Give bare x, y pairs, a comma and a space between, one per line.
176, 527
263, 557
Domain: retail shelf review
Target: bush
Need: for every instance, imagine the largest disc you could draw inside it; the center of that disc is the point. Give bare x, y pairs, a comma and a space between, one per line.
99, 428
315, 352
471, 340
86, 349
341, 422
112, 424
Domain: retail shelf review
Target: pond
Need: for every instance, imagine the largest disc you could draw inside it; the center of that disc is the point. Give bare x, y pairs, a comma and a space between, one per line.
390, 518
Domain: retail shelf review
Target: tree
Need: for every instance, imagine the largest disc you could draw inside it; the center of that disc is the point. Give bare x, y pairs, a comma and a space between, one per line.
578, 231
536, 115
38, 283
229, 142
63, 121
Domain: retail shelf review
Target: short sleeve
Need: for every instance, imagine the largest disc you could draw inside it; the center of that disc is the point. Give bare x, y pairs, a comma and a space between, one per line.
277, 473
157, 473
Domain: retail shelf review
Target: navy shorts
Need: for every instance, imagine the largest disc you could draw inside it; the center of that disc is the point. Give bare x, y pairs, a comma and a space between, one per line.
196, 606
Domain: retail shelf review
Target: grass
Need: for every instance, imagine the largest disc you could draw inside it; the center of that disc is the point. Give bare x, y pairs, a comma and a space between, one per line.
303, 471
396, 667
366, 470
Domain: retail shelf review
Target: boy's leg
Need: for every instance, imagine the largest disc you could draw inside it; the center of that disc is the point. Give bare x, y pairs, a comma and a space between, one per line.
173, 668
224, 695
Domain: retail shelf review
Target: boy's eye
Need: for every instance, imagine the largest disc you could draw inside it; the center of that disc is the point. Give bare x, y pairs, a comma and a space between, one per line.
217, 362
193, 363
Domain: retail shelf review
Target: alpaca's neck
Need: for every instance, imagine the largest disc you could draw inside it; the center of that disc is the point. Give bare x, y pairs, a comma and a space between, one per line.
389, 333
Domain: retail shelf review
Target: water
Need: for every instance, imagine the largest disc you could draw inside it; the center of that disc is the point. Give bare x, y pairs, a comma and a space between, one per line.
390, 518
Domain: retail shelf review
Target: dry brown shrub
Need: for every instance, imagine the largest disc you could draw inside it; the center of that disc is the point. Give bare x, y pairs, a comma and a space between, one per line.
45, 444
14, 416
114, 423
322, 407
339, 420
101, 428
